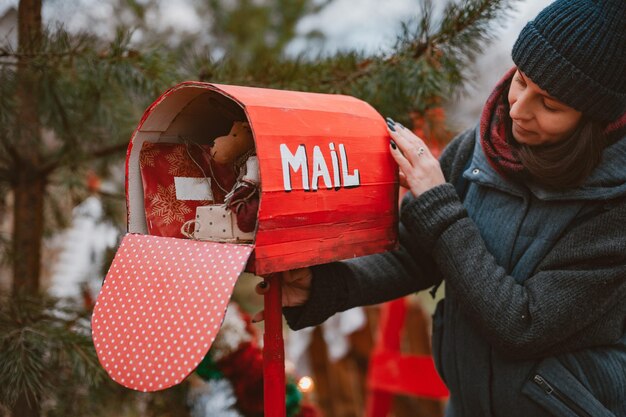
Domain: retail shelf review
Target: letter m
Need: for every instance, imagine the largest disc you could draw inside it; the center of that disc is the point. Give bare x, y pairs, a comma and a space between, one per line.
294, 162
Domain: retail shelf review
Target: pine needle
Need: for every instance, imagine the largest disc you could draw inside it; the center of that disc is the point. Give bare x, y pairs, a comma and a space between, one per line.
43, 342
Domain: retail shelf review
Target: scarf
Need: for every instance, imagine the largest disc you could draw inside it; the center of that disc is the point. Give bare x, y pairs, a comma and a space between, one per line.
495, 132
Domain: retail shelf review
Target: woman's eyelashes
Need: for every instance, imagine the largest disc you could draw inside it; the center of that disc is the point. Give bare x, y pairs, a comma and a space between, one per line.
549, 107
544, 102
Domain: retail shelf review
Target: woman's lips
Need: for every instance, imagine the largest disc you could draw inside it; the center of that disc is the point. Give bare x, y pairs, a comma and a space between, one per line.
521, 130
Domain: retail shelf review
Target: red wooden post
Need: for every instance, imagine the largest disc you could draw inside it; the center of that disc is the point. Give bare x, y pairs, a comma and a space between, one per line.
274, 351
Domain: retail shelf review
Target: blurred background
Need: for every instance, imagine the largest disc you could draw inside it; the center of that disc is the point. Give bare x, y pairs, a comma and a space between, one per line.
75, 78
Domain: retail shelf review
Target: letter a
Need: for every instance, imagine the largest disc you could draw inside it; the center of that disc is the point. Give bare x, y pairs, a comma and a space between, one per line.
319, 169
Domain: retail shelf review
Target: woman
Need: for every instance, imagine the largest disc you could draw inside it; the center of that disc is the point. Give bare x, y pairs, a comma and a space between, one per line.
524, 218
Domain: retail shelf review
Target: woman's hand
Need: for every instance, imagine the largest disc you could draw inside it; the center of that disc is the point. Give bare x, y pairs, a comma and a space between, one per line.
419, 169
296, 287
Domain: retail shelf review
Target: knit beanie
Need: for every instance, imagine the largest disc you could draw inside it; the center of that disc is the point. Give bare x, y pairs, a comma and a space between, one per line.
576, 51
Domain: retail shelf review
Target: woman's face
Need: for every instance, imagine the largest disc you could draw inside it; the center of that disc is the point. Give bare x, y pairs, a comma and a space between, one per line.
538, 118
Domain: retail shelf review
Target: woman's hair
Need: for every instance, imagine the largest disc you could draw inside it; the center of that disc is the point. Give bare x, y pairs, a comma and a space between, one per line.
568, 162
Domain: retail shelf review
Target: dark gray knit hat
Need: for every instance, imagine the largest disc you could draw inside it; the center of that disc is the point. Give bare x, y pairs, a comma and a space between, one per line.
576, 51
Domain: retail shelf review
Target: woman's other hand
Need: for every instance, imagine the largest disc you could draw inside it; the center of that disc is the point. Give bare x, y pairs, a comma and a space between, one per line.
296, 287
419, 169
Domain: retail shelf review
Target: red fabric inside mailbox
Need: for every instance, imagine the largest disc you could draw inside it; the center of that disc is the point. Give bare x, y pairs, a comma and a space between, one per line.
161, 307
177, 178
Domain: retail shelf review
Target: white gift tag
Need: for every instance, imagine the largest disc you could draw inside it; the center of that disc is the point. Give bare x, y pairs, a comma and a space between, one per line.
195, 189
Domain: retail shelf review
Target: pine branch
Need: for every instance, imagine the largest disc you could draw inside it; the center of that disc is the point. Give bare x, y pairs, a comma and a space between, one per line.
113, 196
89, 88
457, 20
51, 47
7, 53
118, 148
72, 140
430, 60
42, 340
110, 150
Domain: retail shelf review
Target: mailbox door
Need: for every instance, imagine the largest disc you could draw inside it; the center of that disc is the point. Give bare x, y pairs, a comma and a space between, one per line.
161, 306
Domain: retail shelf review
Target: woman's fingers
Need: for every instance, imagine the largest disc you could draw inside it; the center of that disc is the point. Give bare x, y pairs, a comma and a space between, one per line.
295, 285
414, 139
403, 181
261, 288
419, 169
411, 145
397, 153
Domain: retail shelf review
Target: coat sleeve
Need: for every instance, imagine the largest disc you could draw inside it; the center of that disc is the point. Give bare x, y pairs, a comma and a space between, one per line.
575, 299
381, 277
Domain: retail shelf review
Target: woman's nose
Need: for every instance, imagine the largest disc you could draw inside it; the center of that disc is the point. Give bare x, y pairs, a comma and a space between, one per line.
520, 108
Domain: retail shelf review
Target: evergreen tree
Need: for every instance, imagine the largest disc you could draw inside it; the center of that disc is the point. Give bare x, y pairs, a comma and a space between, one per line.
430, 60
67, 104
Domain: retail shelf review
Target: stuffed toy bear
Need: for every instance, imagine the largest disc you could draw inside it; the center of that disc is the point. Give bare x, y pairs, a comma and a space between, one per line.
237, 148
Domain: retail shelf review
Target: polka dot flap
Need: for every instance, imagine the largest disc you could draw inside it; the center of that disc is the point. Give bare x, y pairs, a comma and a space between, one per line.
161, 307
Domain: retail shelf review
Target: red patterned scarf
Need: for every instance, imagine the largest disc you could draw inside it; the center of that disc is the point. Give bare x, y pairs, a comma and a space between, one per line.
616, 130
495, 131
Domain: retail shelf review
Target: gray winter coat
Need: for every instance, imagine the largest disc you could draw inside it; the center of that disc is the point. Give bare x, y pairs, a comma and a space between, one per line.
534, 318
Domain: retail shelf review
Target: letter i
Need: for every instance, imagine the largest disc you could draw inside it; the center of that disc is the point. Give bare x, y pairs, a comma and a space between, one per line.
335, 162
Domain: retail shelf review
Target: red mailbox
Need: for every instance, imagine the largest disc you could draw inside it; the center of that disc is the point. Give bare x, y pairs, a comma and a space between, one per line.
328, 191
